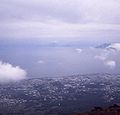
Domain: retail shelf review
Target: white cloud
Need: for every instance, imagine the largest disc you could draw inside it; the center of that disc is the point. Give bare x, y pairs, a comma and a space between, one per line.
100, 57
78, 50
104, 54
105, 58
10, 73
41, 62
110, 63
115, 46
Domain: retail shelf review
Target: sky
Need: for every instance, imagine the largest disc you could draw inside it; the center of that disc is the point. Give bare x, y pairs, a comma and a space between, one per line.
78, 23
60, 20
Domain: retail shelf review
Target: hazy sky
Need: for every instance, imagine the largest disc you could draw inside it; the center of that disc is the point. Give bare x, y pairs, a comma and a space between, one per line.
60, 20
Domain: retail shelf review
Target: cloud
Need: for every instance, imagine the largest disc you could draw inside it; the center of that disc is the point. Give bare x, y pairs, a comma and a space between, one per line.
110, 63
115, 46
105, 57
100, 57
10, 73
59, 19
41, 62
77, 11
78, 50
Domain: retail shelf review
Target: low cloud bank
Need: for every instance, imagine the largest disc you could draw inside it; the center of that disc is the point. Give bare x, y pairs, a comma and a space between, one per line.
115, 46
9, 73
106, 54
110, 63
79, 50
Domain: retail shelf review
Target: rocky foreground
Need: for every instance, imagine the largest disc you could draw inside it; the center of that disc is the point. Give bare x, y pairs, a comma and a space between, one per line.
112, 110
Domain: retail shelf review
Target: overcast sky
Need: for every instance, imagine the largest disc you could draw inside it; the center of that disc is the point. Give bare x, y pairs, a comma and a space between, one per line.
60, 20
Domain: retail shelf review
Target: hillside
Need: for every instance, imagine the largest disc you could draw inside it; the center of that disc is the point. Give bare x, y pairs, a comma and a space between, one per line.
112, 110
59, 96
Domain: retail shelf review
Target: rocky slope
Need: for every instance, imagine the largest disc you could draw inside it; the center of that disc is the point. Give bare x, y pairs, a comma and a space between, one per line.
112, 110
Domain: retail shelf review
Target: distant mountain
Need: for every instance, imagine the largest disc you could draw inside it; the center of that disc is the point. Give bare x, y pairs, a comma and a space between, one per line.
110, 46
103, 46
